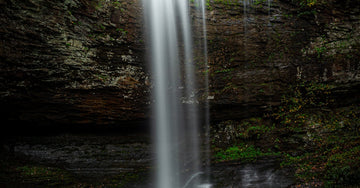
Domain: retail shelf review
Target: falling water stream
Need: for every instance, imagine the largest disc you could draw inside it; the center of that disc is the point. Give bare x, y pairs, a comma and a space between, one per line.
207, 152
176, 115
175, 105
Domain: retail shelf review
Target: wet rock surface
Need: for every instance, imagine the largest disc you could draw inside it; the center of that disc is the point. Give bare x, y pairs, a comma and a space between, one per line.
84, 62
264, 172
257, 50
72, 61
98, 158
76, 65
87, 155
114, 159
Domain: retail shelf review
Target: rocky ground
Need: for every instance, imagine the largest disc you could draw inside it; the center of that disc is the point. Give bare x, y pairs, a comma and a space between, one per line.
79, 160
111, 160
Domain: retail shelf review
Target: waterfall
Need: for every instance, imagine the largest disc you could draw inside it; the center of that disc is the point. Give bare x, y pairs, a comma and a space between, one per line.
175, 106
202, 9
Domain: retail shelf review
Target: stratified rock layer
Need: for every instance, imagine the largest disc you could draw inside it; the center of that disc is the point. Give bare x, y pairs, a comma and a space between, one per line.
83, 62
256, 51
72, 62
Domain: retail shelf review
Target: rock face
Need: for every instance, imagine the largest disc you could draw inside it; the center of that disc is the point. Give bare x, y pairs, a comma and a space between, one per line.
83, 62
257, 50
72, 61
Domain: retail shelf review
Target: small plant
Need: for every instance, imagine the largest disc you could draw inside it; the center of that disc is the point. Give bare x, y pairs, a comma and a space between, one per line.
320, 50
258, 2
224, 70
308, 3
122, 31
102, 27
304, 95
117, 4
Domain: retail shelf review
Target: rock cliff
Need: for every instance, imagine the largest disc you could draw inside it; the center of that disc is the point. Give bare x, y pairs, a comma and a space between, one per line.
72, 62
256, 51
84, 62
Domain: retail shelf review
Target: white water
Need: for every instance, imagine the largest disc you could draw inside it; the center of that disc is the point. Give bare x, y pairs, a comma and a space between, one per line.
175, 111
176, 115
202, 9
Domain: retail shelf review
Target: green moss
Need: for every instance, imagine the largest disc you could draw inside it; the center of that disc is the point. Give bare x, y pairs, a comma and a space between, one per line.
224, 70
245, 153
116, 4
122, 32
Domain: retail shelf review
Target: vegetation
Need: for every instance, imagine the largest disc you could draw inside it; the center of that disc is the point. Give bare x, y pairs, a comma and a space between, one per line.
243, 152
332, 154
320, 141
305, 95
307, 3
44, 175
123, 32
331, 140
17, 172
234, 132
